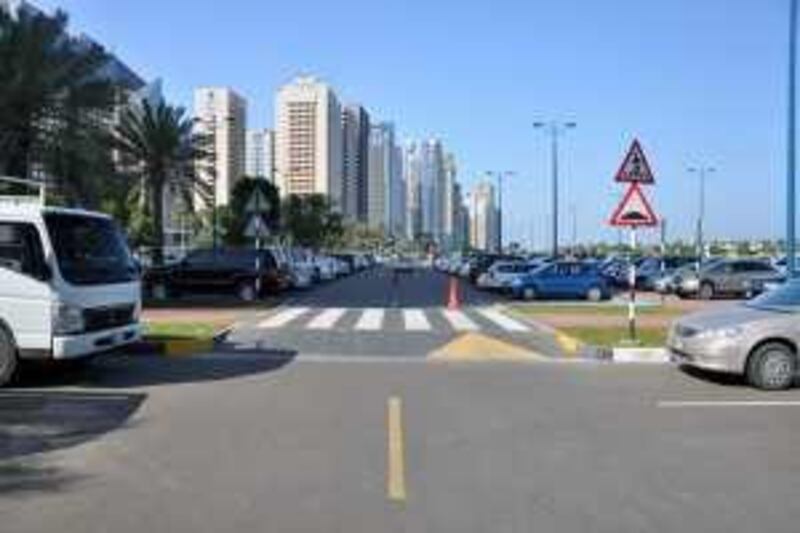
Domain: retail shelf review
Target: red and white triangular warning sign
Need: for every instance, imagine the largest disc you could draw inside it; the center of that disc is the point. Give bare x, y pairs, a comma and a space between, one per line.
635, 168
634, 209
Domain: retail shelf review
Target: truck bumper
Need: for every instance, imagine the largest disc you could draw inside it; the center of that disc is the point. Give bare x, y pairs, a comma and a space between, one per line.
77, 346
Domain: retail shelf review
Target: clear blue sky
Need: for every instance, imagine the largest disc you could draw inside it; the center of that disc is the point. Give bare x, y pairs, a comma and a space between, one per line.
696, 81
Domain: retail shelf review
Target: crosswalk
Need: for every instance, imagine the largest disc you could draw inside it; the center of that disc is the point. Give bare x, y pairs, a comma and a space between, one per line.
470, 319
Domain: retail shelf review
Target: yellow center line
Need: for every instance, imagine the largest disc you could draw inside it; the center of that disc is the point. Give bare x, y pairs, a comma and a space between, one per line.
396, 478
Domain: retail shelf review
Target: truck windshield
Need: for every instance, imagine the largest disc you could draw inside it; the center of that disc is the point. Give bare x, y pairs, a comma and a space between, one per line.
90, 250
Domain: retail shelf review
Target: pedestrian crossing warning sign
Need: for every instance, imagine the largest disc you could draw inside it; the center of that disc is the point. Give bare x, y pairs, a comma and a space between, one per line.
635, 168
634, 210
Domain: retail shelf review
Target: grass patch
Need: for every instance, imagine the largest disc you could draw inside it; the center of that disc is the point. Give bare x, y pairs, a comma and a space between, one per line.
649, 337
161, 331
595, 309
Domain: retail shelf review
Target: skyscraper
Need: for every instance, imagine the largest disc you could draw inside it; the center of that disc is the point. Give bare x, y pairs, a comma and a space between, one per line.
356, 135
412, 170
483, 217
308, 140
221, 114
382, 173
397, 194
260, 157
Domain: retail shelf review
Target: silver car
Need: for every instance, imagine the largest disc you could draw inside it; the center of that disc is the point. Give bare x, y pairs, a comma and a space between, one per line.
759, 339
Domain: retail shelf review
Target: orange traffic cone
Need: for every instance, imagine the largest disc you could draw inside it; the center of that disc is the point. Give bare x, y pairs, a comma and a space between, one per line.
453, 301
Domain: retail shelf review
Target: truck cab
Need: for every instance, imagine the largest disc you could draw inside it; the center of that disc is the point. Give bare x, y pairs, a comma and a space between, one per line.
69, 287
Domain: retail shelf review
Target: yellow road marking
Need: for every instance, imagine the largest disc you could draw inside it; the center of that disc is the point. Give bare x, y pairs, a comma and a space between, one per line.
570, 345
474, 347
396, 478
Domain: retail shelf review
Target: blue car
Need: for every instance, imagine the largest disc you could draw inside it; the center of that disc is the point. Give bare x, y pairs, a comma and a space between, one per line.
563, 280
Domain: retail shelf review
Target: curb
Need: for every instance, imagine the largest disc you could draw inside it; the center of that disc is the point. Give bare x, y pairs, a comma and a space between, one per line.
653, 356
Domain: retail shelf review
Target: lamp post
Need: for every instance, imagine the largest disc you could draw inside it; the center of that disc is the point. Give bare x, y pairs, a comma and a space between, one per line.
702, 171
790, 145
554, 129
500, 175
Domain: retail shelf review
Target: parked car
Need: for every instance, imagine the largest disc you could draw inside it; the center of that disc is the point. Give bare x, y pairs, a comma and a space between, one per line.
482, 263
728, 277
225, 271
651, 270
326, 267
759, 338
563, 280
501, 275
69, 286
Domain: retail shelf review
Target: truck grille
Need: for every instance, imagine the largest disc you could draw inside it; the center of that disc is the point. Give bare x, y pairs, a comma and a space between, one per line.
100, 318
685, 331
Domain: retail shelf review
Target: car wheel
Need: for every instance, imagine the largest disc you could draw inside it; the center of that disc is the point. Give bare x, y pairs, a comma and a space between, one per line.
8, 358
706, 291
594, 294
772, 367
528, 294
246, 291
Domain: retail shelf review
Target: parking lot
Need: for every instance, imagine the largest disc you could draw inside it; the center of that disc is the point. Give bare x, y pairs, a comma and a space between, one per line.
380, 409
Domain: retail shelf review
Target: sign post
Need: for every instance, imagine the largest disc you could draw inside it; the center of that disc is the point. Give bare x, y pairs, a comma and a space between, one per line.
256, 207
632, 212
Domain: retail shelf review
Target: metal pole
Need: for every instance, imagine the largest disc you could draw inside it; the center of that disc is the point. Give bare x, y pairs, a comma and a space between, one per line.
554, 155
500, 211
701, 218
790, 148
632, 286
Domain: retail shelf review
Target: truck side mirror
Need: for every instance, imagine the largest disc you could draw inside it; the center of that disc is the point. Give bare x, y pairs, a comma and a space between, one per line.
45, 272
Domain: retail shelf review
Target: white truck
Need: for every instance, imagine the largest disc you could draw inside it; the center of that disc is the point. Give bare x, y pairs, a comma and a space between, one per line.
69, 286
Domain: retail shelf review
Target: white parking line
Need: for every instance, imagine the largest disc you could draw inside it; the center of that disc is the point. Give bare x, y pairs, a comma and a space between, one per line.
415, 320
371, 320
505, 322
326, 319
282, 318
730, 403
459, 320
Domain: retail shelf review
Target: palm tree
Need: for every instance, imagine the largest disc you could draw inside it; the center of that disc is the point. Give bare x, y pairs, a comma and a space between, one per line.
53, 95
159, 146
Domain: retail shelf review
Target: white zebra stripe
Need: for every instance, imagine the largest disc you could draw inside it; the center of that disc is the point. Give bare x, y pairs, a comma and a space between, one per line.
371, 320
415, 320
459, 320
280, 319
326, 319
505, 322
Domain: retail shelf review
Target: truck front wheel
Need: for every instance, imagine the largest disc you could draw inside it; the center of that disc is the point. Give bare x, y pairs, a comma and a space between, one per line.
8, 358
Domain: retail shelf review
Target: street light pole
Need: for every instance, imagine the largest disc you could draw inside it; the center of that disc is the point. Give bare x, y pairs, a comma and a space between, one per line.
554, 128
791, 266
499, 226
702, 171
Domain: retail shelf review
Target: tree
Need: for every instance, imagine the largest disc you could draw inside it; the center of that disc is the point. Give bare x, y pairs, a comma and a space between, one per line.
310, 221
53, 97
236, 224
159, 146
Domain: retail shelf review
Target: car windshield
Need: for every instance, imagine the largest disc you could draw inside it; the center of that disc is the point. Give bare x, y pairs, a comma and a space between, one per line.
784, 298
90, 250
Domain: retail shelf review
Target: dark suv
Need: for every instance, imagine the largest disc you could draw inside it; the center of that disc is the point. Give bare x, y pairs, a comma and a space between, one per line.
226, 271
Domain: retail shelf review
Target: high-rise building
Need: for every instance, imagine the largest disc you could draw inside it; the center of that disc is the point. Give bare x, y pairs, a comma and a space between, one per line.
460, 237
221, 115
383, 171
308, 140
483, 217
448, 201
260, 154
397, 195
412, 177
355, 174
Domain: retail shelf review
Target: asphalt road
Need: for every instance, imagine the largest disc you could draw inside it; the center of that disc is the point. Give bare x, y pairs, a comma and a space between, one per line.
248, 439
